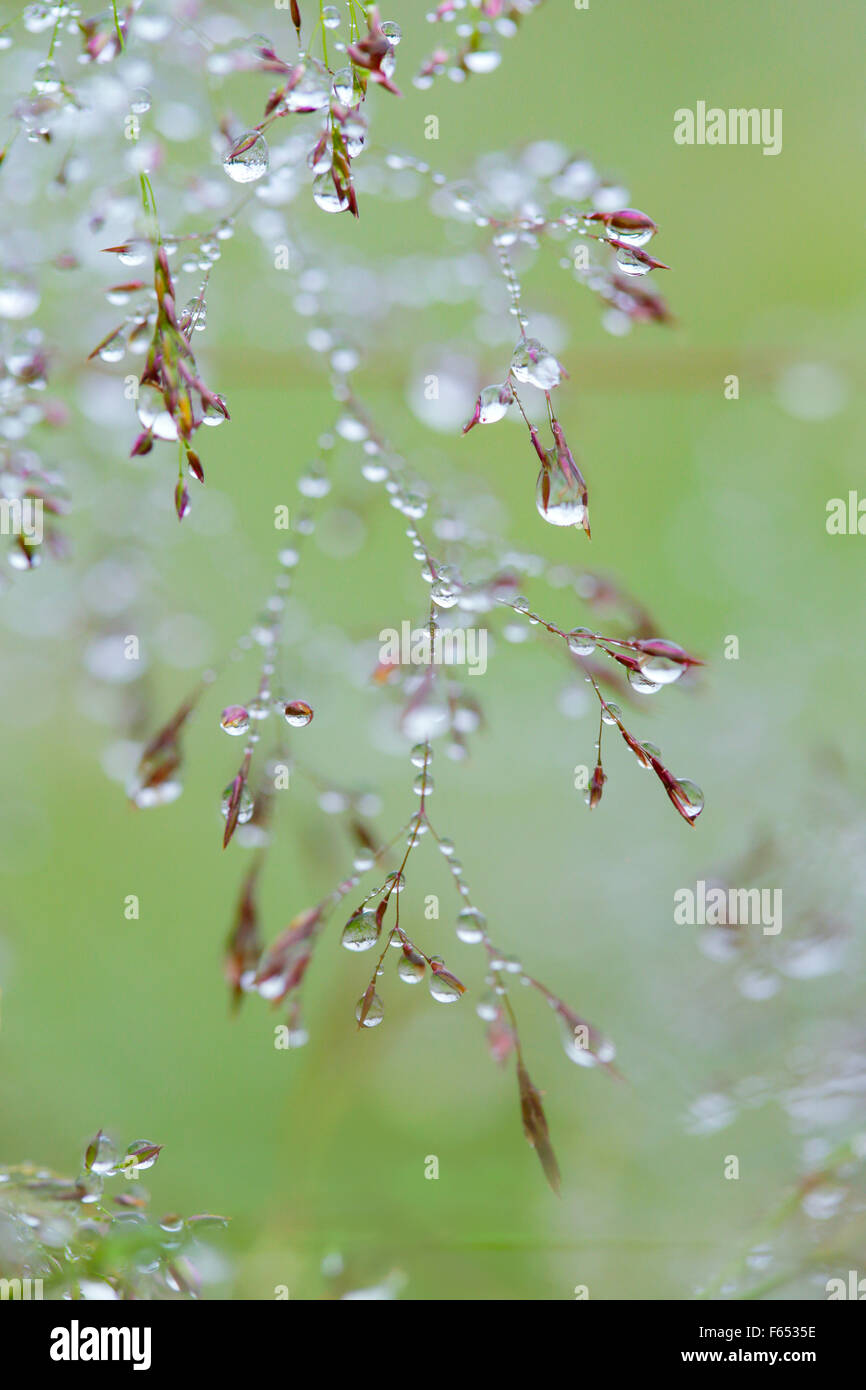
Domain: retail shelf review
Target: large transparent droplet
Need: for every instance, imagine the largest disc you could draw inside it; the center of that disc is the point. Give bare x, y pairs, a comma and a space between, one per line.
245, 807
559, 498
298, 714
471, 925
375, 1012
443, 989
531, 362
483, 60
153, 414
326, 195
248, 158
581, 641
235, 720
361, 932
689, 797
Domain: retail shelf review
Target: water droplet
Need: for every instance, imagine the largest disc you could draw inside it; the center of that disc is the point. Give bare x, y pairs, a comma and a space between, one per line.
442, 988
661, 670
411, 967
298, 714
487, 1007
375, 1012
46, 78
314, 483
246, 807
531, 362
420, 754
361, 932
392, 31
153, 414
639, 680
611, 713
652, 751
631, 226
690, 797
328, 197
423, 784
630, 263
559, 497
344, 87
395, 882
248, 158
18, 299
471, 925
235, 720
138, 1156
139, 101
331, 17
312, 92
443, 593
493, 403
105, 1159
581, 641
113, 350
483, 60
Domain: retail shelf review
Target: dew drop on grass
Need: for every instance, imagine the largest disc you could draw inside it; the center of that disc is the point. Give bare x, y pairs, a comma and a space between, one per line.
629, 263
235, 720
563, 497
326, 195
153, 414
611, 713
246, 808
18, 299
162, 794
248, 158
471, 925
361, 932
375, 1012
46, 78
443, 990
581, 641
640, 681
113, 350
443, 594
132, 1159
411, 968
662, 670
691, 798
531, 362
487, 1007
344, 86
298, 714
139, 101
105, 1158
493, 404
331, 17
38, 17
483, 60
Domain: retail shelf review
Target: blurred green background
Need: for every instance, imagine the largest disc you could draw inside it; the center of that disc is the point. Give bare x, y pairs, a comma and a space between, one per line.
711, 511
